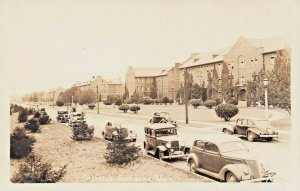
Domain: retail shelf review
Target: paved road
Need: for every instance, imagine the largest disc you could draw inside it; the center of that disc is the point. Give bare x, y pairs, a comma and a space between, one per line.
274, 155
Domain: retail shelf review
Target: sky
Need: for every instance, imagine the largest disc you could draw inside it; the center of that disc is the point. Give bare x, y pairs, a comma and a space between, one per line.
54, 43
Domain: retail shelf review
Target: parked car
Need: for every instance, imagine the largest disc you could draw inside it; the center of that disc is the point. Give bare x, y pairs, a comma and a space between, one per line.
76, 117
112, 131
62, 116
163, 117
161, 140
226, 158
252, 129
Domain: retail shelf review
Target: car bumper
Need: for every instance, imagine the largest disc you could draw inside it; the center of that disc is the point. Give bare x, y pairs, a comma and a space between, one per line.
268, 136
268, 177
175, 155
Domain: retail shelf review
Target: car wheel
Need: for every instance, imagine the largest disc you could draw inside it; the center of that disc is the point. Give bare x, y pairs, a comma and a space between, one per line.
230, 177
133, 140
161, 155
226, 131
192, 165
250, 136
269, 138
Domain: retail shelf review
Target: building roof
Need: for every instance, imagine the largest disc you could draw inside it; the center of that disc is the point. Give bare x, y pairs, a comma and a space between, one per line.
270, 44
205, 58
115, 82
149, 72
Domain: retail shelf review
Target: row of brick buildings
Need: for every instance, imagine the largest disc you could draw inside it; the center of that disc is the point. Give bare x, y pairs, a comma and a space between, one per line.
245, 58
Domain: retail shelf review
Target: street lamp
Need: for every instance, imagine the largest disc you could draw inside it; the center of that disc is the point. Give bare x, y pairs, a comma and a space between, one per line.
266, 82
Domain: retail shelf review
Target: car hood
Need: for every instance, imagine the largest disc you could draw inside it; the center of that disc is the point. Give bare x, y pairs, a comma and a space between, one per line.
239, 155
168, 138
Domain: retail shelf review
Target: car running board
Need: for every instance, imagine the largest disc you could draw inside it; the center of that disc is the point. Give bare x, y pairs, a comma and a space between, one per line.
215, 175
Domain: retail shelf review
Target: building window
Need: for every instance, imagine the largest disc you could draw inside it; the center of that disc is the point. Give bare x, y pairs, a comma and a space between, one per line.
142, 88
242, 62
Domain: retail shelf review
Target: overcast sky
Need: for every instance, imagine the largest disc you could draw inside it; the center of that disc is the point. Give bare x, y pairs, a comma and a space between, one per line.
51, 43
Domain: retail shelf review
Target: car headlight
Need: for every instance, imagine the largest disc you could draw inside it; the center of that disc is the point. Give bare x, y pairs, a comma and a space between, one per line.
168, 145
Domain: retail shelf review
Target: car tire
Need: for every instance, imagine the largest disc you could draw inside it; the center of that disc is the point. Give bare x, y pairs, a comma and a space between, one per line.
226, 131
161, 155
269, 139
192, 166
133, 140
250, 136
230, 177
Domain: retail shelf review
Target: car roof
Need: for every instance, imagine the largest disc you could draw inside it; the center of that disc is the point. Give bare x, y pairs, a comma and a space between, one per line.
253, 118
160, 126
218, 138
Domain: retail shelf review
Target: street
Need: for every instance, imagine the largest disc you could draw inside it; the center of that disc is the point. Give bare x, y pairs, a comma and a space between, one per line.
273, 155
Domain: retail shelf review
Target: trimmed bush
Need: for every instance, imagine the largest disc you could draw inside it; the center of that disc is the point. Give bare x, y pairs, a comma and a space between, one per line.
82, 132
219, 100
124, 108
32, 125
157, 101
120, 151
108, 102
135, 108
233, 101
118, 102
210, 103
20, 143
165, 100
23, 116
33, 170
195, 102
226, 111
91, 106
171, 101
59, 103
44, 119
147, 101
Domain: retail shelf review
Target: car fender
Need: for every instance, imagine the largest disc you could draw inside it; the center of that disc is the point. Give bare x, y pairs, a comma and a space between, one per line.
234, 169
253, 130
160, 148
194, 157
186, 149
229, 127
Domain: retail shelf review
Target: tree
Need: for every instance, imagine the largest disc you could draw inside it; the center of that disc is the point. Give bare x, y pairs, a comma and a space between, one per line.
279, 87
66, 96
20, 143
135, 97
225, 83
196, 91
153, 89
87, 97
226, 111
126, 93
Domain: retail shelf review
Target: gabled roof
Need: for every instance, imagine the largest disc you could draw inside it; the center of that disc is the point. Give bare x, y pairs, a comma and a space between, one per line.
114, 82
149, 72
270, 44
206, 58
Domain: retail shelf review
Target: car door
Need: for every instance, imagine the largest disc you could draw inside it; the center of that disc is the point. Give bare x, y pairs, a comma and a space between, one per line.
152, 140
211, 158
198, 150
244, 127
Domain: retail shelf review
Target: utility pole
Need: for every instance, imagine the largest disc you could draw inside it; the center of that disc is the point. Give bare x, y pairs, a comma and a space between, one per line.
185, 74
53, 98
97, 100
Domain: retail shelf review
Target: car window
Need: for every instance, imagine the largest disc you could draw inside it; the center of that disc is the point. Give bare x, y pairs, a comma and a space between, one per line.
239, 122
245, 122
199, 144
211, 147
250, 122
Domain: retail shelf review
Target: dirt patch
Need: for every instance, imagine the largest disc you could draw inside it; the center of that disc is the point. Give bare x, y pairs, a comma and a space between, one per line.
85, 161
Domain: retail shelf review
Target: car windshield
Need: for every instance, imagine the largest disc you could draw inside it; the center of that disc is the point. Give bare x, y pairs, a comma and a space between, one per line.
232, 146
262, 123
165, 132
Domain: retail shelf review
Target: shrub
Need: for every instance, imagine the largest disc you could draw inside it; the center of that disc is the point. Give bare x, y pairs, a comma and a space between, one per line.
118, 102
210, 103
33, 170
59, 103
147, 101
108, 102
124, 108
91, 106
120, 151
157, 101
171, 101
165, 100
195, 102
32, 125
226, 111
30, 111
135, 108
37, 115
20, 143
218, 100
82, 132
23, 116
178, 100
44, 119
233, 101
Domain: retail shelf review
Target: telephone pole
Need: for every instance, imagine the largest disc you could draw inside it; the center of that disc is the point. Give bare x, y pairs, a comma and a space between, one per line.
97, 100
53, 98
185, 74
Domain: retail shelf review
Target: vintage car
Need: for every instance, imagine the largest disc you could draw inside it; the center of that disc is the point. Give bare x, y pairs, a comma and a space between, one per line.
76, 117
62, 116
161, 140
112, 131
226, 158
252, 129
162, 117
